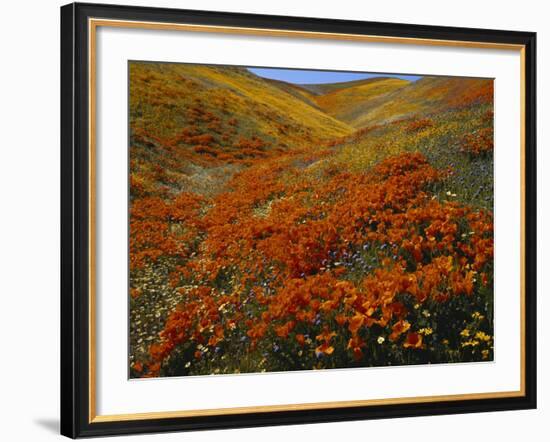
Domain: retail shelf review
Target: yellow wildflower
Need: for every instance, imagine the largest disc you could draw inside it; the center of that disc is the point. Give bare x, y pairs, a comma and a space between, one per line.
426, 331
482, 336
470, 343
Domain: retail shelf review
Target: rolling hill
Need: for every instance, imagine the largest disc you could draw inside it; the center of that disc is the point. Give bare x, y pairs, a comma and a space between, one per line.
359, 97
327, 88
209, 116
429, 95
192, 125
297, 91
173, 96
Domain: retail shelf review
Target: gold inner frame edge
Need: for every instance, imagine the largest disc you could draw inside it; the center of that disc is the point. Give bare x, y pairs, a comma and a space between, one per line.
93, 24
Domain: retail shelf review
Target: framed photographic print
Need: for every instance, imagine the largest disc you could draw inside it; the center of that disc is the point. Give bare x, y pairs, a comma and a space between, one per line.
275, 220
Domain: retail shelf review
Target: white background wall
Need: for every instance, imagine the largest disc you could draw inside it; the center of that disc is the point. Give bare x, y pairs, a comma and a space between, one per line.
29, 220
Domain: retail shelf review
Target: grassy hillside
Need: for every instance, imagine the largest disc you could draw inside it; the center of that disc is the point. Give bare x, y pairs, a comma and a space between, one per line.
297, 91
449, 120
327, 88
350, 103
459, 139
185, 118
429, 95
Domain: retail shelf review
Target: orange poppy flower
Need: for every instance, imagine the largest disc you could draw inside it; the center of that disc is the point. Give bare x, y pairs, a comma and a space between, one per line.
325, 348
325, 336
413, 340
356, 322
356, 345
283, 330
340, 319
398, 329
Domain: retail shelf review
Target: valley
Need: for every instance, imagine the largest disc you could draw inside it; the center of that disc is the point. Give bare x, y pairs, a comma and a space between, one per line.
278, 226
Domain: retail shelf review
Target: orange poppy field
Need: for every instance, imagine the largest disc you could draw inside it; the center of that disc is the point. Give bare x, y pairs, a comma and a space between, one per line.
279, 226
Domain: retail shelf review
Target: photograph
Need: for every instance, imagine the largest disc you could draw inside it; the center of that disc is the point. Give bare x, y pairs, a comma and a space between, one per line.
295, 219
274, 221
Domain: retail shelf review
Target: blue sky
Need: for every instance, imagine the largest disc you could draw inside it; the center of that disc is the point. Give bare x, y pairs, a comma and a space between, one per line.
298, 76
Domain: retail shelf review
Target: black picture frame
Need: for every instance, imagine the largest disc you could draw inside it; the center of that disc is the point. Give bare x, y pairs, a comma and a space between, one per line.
75, 220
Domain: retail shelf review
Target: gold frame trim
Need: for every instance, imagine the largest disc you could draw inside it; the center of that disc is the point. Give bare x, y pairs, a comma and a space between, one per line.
93, 24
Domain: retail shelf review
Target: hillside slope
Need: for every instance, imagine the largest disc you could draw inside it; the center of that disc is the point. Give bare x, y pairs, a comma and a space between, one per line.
350, 103
327, 88
174, 92
209, 116
427, 96
296, 90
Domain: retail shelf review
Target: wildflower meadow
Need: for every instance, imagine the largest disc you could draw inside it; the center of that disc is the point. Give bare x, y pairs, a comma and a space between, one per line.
276, 226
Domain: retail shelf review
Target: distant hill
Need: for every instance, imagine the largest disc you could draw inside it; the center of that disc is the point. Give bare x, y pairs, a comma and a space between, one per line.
429, 95
326, 88
296, 90
349, 101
